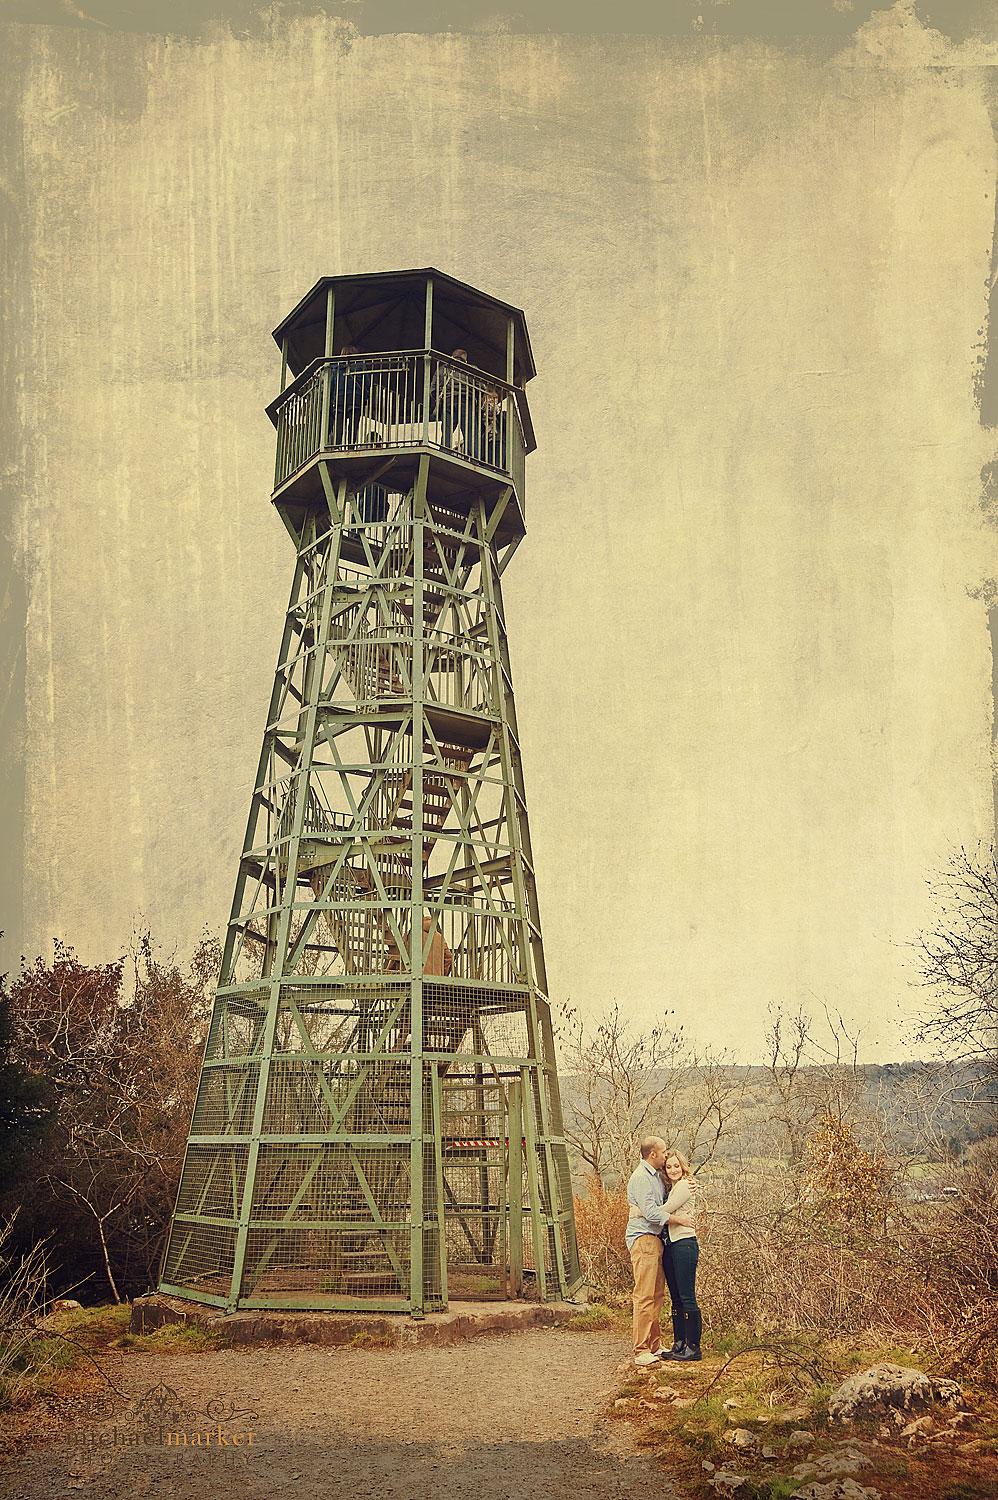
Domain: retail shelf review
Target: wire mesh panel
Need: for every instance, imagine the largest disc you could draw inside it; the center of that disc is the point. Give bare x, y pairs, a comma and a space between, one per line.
330, 1218
199, 1258
236, 1028
201, 1248
226, 1099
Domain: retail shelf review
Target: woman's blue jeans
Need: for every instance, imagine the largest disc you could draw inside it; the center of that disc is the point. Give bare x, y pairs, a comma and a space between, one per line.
679, 1261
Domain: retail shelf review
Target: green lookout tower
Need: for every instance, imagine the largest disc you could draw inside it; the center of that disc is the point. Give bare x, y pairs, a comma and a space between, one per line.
378, 1122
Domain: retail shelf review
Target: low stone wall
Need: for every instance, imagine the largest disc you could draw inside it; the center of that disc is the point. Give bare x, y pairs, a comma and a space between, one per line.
468, 1320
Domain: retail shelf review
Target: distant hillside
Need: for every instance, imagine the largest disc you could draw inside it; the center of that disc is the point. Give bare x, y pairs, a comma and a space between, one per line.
926, 1112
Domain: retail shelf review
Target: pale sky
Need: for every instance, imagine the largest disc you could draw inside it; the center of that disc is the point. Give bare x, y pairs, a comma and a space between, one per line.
752, 679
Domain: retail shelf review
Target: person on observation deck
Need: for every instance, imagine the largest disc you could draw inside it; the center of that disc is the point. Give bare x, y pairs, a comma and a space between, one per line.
439, 960
492, 445
349, 398
453, 396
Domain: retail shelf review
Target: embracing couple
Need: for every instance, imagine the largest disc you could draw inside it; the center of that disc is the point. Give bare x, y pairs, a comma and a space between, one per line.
662, 1240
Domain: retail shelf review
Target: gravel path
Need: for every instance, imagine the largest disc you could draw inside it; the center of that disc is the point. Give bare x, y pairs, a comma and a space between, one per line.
500, 1418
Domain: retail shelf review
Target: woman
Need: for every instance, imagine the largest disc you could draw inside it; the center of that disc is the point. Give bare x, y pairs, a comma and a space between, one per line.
680, 1253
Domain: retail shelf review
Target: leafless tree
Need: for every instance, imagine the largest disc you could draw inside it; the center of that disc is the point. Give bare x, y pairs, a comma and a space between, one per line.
924, 1111
622, 1084
958, 961
814, 1073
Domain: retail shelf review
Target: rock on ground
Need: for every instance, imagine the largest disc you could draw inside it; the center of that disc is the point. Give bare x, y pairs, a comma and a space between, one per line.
891, 1390
729, 1484
839, 1463
838, 1489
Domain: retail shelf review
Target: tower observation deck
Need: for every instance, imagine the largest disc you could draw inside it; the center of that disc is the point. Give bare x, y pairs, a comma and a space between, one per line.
378, 1122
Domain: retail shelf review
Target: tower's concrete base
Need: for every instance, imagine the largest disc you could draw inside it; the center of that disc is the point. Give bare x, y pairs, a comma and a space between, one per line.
366, 1330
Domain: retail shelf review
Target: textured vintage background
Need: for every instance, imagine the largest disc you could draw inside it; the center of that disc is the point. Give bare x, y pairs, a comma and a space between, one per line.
749, 624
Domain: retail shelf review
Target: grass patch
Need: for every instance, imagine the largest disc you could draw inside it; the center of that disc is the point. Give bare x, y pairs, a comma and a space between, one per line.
726, 1340
817, 1402
773, 1487
702, 1427
64, 1350
890, 1465
597, 1318
771, 1401
176, 1338
93, 1327
365, 1340
849, 1358
65, 1340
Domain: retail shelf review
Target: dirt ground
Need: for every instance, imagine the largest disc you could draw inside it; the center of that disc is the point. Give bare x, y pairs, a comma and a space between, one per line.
497, 1418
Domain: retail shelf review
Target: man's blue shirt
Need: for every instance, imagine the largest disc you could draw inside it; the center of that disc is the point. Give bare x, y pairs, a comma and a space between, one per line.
646, 1190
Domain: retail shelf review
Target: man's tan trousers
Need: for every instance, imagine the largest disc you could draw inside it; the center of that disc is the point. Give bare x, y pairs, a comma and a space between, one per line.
649, 1292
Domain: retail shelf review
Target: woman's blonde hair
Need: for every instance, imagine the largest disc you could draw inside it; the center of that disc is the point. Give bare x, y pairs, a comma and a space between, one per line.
671, 1155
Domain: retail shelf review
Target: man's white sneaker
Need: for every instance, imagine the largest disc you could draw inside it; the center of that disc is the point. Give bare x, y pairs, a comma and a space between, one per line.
647, 1358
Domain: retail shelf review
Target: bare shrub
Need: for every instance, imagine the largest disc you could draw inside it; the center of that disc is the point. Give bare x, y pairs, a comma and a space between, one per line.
961, 1266
600, 1225
767, 1266
22, 1298
620, 1085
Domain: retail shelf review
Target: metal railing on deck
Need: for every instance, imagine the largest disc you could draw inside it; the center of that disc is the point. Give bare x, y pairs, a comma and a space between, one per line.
357, 402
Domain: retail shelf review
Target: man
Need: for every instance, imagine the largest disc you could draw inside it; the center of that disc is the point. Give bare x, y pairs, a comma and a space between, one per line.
646, 1194
439, 960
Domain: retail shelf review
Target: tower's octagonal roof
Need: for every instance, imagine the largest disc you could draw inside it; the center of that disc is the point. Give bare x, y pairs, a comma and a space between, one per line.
387, 310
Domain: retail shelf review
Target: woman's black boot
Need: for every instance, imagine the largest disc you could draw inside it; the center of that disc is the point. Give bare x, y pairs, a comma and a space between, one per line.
694, 1327
679, 1334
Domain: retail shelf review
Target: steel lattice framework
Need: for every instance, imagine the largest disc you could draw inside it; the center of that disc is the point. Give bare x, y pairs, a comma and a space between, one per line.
378, 1121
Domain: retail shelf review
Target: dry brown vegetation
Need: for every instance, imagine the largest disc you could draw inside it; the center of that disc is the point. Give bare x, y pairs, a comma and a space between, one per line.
782, 1253
829, 1209
99, 1067
843, 1224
